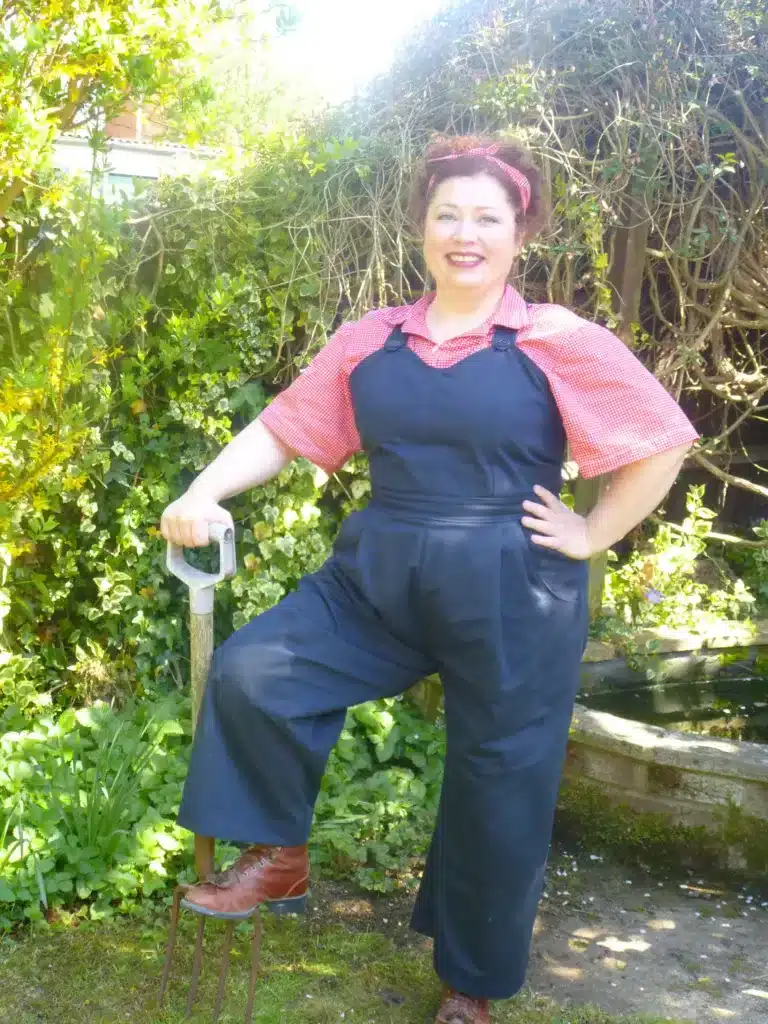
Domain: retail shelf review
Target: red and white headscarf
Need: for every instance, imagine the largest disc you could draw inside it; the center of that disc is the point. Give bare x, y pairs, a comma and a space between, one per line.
489, 153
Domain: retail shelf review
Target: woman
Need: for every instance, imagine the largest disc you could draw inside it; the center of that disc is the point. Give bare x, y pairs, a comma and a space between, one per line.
465, 562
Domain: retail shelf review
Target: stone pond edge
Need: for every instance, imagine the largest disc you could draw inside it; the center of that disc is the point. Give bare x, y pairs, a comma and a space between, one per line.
663, 795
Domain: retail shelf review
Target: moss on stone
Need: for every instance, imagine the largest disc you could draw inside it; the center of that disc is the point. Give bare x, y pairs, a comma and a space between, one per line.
747, 839
736, 845
664, 778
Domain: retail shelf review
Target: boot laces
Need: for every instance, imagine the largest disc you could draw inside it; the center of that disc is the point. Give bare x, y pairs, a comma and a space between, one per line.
254, 856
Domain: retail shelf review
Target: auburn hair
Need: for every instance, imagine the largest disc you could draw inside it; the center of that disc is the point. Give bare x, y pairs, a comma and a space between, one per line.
529, 221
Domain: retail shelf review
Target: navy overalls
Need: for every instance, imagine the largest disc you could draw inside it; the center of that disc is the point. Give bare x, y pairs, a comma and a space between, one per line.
437, 574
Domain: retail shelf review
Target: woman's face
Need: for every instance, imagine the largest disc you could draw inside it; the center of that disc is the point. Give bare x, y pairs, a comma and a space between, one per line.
470, 234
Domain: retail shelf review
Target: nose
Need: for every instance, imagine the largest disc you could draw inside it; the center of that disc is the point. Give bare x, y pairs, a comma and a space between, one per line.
465, 230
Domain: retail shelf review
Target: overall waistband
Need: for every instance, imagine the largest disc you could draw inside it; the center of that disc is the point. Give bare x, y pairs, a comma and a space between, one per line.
447, 509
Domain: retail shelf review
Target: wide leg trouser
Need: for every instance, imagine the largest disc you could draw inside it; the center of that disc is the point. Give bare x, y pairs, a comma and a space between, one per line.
503, 623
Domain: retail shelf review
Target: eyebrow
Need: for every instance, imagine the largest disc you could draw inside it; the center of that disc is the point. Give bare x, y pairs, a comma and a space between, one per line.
454, 206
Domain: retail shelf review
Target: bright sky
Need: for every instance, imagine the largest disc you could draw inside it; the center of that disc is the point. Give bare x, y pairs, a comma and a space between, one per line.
341, 44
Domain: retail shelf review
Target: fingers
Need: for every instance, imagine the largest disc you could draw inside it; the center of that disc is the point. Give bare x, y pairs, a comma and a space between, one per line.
544, 513
165, 528
543, 518
542, 525
538, 510
186, 522
546, 542
550, 500
194, 533
187, 533
200, 533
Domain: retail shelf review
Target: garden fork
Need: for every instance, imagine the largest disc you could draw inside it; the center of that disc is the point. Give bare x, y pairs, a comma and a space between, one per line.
201, 591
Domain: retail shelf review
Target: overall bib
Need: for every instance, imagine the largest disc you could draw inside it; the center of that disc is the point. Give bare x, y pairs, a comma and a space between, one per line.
437, 574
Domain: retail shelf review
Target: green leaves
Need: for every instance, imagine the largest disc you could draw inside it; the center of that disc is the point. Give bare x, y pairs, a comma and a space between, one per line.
250, 398
91, 809
660, 585
379, 797
88, 802
114, 49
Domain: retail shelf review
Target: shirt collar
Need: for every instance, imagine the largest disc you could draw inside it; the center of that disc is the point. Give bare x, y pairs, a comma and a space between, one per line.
512, 313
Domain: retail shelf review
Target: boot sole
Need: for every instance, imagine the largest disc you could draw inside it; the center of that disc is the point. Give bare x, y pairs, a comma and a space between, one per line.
280, 908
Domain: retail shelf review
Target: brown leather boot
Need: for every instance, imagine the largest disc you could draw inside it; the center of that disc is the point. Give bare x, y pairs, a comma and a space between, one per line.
457, 1008
276, 876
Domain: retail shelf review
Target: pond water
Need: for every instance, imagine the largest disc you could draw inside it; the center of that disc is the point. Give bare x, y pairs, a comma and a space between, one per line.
734, 708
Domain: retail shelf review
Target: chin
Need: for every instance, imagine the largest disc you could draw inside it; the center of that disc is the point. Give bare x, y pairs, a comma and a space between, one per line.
472, 274
466, 279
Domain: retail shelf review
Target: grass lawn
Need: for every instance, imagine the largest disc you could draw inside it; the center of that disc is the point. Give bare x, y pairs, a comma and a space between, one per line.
315, 972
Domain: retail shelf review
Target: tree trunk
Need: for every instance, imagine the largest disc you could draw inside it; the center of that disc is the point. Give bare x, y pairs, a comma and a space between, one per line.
626, 280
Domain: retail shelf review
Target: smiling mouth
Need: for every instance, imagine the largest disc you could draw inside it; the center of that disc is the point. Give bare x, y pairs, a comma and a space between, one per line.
459, 260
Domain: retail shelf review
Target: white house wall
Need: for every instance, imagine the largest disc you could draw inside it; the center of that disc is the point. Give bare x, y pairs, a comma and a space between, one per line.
124, 161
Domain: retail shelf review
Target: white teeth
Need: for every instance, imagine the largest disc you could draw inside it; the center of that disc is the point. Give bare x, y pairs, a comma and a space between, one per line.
464, 259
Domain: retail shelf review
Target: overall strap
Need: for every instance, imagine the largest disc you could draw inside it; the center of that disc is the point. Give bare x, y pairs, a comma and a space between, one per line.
396, 340
504, 339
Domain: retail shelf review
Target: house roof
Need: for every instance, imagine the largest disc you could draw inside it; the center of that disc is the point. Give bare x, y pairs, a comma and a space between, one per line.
82, 135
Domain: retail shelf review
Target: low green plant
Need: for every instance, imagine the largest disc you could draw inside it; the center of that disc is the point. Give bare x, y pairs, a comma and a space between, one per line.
379, 796
751, 564
88, 804
92, 784
659, 584
89, 798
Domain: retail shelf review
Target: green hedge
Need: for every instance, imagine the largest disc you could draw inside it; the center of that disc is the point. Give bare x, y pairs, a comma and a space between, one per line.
137, 347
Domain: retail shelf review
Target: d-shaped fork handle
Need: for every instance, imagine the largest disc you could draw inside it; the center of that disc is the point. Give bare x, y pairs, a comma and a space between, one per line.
201, 583
201, 587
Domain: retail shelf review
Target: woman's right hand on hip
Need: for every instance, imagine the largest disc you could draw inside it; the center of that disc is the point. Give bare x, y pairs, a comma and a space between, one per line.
185, 521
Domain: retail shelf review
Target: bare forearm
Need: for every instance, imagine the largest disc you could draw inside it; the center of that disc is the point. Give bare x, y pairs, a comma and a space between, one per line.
633, 493
251, 458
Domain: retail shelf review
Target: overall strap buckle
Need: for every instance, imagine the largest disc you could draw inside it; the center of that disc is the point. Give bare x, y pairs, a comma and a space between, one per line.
396, 341
504, 339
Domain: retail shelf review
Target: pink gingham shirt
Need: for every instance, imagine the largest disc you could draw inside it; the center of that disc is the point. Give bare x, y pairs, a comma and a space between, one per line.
614, 410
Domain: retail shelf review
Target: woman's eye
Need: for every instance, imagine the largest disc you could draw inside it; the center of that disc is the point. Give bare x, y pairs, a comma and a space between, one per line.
482, 220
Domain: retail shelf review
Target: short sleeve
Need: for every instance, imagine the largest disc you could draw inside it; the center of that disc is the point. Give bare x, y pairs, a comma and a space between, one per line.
314, 415
613, 409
